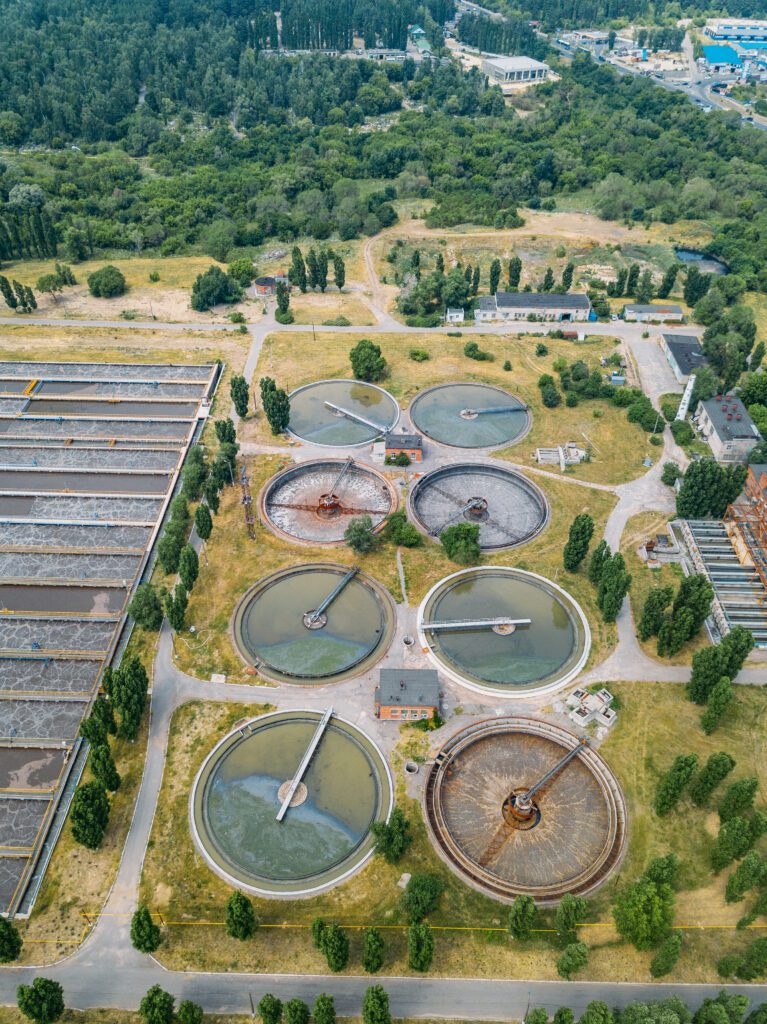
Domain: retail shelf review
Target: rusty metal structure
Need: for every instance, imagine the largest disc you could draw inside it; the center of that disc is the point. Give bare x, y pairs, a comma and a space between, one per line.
518, 806
312, 502
247, 503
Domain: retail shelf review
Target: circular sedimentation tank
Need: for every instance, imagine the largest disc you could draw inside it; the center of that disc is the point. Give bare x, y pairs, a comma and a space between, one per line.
470, 415
504, 631
341, 413
324, 835
518, 806
508, 508
313, 501
314, 623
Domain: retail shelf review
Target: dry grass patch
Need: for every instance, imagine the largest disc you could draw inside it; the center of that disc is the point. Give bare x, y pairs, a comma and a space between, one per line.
166, 299
316, 307
618, 446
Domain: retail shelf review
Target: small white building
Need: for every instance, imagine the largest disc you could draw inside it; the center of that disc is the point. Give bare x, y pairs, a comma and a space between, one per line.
586, 707
654, 312
563, 306
454, 315
515, 70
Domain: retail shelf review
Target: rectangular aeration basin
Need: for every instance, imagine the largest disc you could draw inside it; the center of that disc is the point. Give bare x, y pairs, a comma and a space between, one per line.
34, 482
112, 409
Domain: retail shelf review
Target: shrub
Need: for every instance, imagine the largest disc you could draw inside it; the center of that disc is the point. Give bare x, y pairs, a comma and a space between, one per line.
472, 351
461, 543
400, 531
665, 959
393, 836
367, 362
144, 933
10, 941
42, 1001
241, 922
107, 282
419, 355
335, 946
359, 535
571, 400
421, 895
270, 1009
214, 287
682, 432
372, 950
522, 917
572, 959
89, 816
550, 397
420, 946
146, 608
671, 473
507, 364
644, 913
541, 349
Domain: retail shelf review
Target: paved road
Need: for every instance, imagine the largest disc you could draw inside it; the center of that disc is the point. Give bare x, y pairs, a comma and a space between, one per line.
120, 984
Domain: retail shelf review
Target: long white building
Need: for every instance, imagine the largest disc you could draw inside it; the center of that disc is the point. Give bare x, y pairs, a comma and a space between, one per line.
562, 306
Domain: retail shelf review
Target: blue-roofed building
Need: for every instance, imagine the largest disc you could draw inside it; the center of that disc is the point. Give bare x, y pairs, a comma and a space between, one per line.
721, 58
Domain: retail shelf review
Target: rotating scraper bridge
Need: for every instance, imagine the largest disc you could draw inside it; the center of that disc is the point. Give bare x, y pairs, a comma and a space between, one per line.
518, 806
312, 502
89, 459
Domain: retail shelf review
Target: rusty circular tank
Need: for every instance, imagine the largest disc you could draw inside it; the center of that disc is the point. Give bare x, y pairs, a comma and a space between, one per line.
313, 502
518, 806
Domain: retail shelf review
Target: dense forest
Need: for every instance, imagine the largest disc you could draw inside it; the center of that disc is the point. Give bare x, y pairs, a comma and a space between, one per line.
555, 14
178, 175
75, 69
505, 35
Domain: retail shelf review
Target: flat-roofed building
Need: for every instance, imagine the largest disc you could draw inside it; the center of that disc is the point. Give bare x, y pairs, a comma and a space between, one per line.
406, 695
737, 29
684, 355
725, 424
563, 306
654, 312
510, 70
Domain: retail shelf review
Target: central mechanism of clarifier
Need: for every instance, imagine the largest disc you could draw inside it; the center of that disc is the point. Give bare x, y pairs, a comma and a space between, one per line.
519, 806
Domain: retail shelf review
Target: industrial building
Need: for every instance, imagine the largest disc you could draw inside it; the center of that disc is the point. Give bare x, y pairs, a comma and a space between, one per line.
637, 312
562, 306
684, 355
737, 30
721, 59
407, 694
515, 70
90, 456
725, 424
